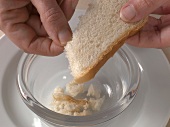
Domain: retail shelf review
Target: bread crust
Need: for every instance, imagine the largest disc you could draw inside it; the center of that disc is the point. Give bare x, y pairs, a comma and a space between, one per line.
91, 71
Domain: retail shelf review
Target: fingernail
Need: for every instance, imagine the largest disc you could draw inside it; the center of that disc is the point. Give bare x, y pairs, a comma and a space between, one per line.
128, 13
74, 4
64, 36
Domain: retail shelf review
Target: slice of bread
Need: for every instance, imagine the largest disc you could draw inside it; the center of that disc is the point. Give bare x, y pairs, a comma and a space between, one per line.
100, 33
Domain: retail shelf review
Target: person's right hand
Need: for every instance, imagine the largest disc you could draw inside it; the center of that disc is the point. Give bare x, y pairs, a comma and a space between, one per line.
30, 23
156, 33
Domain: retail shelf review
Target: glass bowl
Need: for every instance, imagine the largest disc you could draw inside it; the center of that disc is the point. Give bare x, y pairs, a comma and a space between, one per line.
38, 76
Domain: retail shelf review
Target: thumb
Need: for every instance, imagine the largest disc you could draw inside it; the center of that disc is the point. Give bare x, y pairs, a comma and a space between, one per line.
135, 10
53, 20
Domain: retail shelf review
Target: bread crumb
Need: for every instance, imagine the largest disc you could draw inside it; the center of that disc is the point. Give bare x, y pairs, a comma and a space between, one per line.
58, 90
68, 105
74, 89
96, 104
94, 91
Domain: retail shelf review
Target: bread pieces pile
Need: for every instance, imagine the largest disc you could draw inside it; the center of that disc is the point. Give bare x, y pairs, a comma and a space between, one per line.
67, 103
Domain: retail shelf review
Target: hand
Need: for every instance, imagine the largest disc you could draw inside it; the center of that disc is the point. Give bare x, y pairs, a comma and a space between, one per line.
30, 23
156, 33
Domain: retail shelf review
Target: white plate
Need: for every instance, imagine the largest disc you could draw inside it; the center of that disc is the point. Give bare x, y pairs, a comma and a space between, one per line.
151, 107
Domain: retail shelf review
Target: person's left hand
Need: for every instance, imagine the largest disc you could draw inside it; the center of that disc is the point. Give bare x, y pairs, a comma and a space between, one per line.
156, 33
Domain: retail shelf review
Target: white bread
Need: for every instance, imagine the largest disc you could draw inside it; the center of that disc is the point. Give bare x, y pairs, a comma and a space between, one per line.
100, 33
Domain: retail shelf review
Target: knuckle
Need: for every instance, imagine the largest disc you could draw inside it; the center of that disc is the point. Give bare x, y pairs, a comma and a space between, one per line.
1, 19
20, 15
4, 23
5, 20
9, 18
2, 5
1, 9
145, 4
148, 3
53, 15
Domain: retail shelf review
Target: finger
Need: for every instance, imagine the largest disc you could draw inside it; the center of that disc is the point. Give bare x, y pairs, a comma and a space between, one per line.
68, 7
12, 4
152, 36
54, 21
31, 43
35, 22
135, 10
165, 9
13, 25
9, 17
